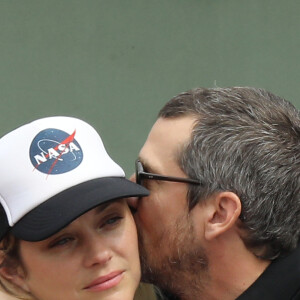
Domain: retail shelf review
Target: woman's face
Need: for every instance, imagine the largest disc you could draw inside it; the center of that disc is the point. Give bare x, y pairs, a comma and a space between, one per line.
95, 257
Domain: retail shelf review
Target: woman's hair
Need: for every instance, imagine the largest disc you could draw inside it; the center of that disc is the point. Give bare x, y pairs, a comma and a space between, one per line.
10, 258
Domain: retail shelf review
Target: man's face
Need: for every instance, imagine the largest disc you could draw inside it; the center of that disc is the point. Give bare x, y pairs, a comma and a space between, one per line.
166, 228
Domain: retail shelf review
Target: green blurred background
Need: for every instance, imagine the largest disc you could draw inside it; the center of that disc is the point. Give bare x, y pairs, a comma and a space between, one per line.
114, 63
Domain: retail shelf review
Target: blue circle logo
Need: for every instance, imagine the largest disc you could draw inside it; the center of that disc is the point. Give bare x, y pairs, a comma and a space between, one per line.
54, 151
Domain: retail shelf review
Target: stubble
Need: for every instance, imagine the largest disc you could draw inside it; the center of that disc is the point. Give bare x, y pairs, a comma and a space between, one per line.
175, 262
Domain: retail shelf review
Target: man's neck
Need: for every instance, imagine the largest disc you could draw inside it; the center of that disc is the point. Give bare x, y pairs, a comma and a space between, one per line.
232, 270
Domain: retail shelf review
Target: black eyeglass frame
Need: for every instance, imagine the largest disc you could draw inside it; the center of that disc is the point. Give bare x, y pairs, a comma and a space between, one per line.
141, 174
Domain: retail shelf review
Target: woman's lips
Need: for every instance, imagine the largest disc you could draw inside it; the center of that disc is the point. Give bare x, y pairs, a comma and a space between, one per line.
105, 282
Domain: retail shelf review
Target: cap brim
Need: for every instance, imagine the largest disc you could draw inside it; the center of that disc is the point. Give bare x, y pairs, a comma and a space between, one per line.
60, 210
4, 226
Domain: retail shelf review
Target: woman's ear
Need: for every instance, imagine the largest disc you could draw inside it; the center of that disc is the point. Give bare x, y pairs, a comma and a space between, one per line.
224, 210
15, 275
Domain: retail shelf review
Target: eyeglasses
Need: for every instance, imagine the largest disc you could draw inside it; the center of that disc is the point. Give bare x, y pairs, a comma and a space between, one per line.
140, 174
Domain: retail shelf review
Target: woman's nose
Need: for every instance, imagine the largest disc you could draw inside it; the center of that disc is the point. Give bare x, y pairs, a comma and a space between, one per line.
96, 251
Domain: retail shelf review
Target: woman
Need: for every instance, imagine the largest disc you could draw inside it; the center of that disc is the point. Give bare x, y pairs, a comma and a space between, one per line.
66, 232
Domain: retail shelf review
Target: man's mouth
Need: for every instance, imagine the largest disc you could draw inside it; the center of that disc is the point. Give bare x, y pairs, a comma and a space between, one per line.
133, 210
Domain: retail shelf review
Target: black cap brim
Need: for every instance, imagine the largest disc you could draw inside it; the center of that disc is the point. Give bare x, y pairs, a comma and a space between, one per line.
4, 226
60, 210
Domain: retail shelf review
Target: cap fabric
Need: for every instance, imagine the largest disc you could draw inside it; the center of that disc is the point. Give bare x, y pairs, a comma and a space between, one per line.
52, 171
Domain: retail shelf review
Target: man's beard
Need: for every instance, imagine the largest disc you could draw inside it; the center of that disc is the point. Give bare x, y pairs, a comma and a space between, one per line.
181, 272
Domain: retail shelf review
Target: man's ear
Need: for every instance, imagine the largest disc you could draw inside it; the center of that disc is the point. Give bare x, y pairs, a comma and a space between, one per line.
15, 275
224, 210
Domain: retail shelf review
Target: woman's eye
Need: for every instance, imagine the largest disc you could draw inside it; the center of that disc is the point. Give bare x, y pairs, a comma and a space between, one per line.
61, 242
110, 222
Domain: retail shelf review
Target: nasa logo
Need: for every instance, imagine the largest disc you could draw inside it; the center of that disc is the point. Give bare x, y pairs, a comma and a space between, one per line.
54, 151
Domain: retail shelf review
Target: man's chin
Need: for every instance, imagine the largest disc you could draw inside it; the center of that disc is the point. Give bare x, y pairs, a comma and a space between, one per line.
172, 262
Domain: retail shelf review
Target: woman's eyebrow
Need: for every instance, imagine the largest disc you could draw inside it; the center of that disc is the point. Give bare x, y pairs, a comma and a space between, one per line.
102, 207
98, 210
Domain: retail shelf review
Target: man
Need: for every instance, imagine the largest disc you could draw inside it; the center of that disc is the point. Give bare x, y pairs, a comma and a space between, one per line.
227, 227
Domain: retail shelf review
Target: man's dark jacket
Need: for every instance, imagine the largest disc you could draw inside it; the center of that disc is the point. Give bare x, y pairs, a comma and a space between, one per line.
280, 281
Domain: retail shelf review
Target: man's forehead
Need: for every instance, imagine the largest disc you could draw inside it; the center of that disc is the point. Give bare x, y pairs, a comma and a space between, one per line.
166, 139
171, 130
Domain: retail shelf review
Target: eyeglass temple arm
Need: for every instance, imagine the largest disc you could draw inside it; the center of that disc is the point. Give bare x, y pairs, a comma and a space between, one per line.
168, 178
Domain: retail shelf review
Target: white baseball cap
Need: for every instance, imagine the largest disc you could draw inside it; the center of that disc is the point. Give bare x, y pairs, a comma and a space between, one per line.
52, 171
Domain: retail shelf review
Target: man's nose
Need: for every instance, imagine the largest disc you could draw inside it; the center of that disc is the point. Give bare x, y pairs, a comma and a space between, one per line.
132, 178
132, 202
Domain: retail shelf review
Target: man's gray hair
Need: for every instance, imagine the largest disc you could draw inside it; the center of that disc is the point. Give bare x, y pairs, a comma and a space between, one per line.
247, 141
